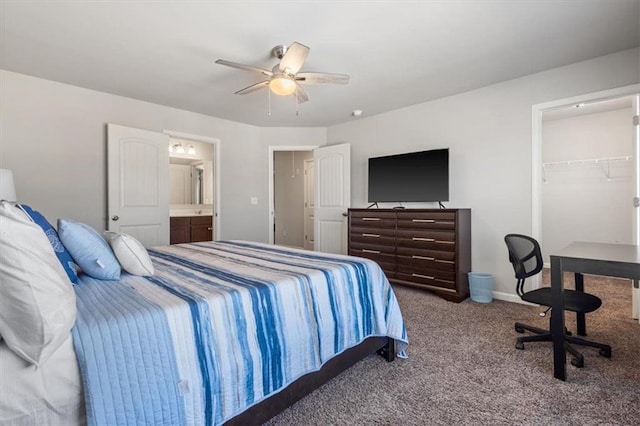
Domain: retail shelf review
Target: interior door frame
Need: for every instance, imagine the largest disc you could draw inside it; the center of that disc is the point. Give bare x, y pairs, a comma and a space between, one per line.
272, 150
217, 219
536, 151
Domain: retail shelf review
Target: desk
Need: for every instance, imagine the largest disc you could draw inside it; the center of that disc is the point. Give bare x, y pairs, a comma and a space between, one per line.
613, 260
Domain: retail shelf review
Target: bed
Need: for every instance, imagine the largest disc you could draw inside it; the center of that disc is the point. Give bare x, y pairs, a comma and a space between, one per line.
223, 332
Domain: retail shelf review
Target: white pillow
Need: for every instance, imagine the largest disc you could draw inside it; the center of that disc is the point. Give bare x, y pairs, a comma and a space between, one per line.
37, 300
130, 252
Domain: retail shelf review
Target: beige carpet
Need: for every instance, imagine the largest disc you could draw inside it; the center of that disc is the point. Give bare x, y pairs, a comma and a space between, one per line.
463, 369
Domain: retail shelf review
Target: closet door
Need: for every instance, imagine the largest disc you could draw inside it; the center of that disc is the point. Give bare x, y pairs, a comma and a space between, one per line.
138, 184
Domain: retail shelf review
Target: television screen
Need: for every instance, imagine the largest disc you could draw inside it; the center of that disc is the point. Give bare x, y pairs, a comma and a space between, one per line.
413, 177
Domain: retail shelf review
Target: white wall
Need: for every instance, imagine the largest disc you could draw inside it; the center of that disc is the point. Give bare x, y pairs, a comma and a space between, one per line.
587, 201
53, 137
488, 132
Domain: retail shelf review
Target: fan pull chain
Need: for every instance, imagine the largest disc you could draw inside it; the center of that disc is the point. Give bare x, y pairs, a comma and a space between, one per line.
269, 96
296, 96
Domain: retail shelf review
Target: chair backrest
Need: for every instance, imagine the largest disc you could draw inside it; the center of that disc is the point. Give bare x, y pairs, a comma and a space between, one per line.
525, 257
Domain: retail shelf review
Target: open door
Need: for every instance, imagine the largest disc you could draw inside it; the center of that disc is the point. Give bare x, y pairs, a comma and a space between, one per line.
138, 184
635, 299
333, 197
309, 203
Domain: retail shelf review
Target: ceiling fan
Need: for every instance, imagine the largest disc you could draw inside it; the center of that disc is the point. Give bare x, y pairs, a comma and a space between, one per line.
285, 78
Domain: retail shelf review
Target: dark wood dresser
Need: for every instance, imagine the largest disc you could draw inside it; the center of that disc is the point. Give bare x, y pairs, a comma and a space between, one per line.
422, 248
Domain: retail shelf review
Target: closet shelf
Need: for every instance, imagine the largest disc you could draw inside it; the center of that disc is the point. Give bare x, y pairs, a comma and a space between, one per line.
604, 163
603, 160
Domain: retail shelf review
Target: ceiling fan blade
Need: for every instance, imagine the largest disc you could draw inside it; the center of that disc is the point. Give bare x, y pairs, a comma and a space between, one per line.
253, 88
321, 78
294, 58
301, 94
244, 67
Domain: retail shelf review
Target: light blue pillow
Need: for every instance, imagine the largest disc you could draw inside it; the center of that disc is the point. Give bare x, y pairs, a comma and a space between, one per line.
61, 252
89, 250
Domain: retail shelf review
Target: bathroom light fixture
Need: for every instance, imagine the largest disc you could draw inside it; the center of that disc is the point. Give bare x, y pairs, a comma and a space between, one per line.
178, 148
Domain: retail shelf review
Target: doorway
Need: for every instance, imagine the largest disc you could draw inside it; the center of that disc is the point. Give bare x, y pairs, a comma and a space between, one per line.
194, 163
290, 200
632, 212
587, 174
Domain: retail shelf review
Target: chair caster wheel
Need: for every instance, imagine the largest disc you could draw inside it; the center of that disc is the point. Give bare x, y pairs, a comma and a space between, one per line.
605, 353
520, 346
519, 329
577, 362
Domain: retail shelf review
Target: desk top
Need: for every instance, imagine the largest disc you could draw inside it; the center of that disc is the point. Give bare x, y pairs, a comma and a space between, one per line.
626, 253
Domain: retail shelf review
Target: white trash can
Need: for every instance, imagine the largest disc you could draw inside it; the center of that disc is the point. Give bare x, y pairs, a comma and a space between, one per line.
481, 287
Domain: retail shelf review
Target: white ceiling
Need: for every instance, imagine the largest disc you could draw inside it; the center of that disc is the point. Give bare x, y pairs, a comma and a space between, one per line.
397, 53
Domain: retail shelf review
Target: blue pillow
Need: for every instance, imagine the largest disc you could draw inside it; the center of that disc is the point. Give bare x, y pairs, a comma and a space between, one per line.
89, 250
63, 255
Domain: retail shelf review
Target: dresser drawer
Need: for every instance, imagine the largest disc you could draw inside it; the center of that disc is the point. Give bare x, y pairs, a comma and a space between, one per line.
426, 220
373, 219
367, 247
426, 262
426, 276
442, 255
385, 260
425, 239
373, 241
369, 235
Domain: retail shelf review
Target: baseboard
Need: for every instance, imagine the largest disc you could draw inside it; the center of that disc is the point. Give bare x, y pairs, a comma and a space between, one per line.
510, 297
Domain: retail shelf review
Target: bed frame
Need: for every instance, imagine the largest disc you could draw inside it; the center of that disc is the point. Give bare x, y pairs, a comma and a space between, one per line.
269, 407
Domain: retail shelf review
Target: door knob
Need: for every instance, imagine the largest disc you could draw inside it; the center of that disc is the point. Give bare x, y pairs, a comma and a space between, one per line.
114, 218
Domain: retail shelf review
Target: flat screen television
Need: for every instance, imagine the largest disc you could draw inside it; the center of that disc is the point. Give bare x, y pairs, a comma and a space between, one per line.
414, 177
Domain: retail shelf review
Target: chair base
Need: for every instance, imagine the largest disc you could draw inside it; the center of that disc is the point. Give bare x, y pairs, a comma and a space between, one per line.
541, 335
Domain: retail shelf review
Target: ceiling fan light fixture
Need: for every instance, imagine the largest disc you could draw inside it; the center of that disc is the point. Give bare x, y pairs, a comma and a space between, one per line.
281, 85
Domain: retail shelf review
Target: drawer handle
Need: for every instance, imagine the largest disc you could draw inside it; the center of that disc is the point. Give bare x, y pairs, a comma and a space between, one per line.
371, 251
371, 218
423, 276
371, 235
210, 228
423, 239
424, 220
415, 256
445, 261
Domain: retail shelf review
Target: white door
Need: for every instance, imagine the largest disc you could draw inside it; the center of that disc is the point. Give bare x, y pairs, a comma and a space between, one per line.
309, 203
138, 184
635, 299
333, 197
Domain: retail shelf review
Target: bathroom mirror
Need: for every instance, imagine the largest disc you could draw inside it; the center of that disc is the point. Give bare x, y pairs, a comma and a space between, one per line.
191, 181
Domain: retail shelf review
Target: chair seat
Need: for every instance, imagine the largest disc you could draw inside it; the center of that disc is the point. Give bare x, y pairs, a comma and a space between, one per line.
575, 301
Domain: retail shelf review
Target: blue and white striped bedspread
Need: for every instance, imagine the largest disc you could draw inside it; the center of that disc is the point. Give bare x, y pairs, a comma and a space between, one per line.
221, 326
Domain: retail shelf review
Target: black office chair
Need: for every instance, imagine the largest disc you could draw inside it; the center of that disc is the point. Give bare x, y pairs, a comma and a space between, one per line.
526, 258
